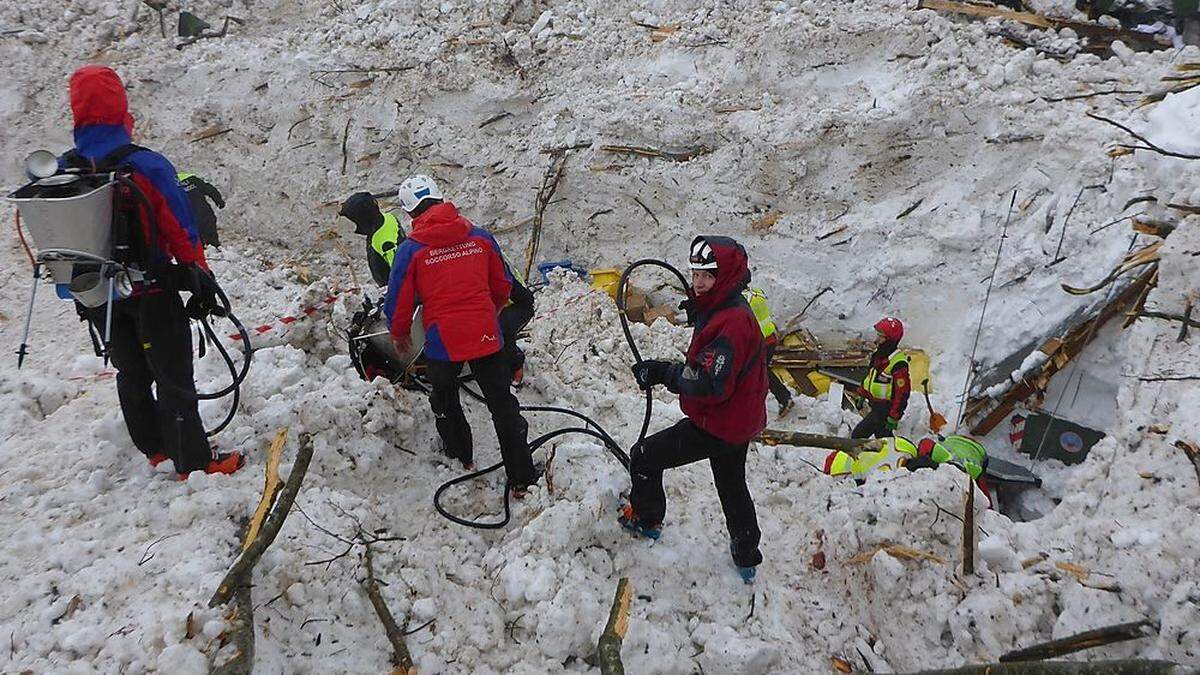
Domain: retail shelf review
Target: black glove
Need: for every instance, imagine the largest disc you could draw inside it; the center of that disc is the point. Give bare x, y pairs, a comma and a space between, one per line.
689, 308
203, 286
920, 462
209, 190
650, 373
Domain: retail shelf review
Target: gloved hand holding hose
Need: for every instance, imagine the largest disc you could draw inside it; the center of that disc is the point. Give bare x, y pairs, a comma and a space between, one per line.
203, 287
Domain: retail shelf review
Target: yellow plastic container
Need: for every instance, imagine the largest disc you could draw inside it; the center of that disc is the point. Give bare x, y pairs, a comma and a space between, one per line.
918, 369
821, 382
606, 279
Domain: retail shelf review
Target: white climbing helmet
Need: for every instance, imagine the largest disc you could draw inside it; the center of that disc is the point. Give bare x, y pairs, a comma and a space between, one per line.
416, 189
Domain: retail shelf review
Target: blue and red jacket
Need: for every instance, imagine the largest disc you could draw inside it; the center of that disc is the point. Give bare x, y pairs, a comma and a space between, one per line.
722, 386
102, 125
454, 270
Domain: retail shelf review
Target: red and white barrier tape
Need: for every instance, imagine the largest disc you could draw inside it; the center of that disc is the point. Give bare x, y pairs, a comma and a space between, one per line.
283, 323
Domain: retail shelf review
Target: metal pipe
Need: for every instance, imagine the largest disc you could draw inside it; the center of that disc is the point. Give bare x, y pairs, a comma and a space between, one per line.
24, 348
108, 310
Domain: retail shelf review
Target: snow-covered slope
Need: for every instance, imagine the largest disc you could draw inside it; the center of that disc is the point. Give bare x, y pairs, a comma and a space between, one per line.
819, 117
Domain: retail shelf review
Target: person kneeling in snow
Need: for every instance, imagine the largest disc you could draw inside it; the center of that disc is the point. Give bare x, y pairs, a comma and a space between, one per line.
456, 272
960, 451
722, 389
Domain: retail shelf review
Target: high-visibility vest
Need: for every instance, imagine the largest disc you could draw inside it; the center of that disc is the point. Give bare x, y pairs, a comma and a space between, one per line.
387, 238
758, 303
891, 456
965, 453
879, 384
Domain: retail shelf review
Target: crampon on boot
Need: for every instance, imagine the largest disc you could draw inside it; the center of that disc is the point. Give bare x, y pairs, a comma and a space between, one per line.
226, 463
747, 573
629, 520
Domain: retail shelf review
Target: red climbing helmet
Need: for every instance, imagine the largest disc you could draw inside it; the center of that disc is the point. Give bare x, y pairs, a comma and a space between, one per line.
890, 328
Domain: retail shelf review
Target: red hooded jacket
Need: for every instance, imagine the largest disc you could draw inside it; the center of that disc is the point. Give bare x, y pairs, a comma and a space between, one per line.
455, 271
723, 385
103, 124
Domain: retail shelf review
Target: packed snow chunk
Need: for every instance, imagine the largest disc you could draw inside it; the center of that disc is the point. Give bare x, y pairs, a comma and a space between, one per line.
425, 609
1174, 121
999, 555
727, 652
526, 580
182, 659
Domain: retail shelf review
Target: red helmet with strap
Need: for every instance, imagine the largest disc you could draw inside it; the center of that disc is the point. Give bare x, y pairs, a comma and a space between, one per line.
890, 328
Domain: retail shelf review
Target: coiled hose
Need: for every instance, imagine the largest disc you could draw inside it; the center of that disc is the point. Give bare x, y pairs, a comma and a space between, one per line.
592, 429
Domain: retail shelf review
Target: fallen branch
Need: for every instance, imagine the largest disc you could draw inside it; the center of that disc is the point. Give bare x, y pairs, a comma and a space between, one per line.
910, 209
647, 210
373, 69
1101, 36
212, 133
401, 658
1169, 378
609, 646
1193, 455
1149, 145
1147, 255
494, 118
1186, 320
850, 446
345, 137
243, 567
1093, 94
242, 618
550, 180
1081, 641
1120, 667
681, 156
796, 319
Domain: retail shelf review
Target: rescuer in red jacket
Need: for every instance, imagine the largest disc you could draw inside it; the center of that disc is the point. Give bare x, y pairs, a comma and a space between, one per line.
722, 389
455, 271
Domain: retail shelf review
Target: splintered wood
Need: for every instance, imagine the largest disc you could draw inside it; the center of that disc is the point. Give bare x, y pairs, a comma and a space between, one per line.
274, 453
897, 551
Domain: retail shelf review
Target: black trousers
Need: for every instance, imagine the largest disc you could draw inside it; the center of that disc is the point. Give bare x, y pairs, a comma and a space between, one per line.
685, 443
874, 424
513, 318
165, 419
778, 389
494, 377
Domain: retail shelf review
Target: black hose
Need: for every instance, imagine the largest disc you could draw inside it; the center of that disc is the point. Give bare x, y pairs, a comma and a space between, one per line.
159, 378
593, 429
637, 356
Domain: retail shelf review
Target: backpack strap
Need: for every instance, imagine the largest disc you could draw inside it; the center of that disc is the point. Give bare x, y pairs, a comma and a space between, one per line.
116, 158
